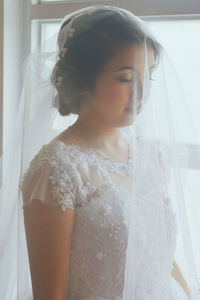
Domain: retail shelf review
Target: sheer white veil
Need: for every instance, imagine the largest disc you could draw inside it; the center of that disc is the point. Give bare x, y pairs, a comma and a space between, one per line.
164, 141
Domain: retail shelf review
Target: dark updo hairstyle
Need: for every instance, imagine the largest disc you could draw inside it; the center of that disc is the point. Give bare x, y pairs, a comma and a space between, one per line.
89, 51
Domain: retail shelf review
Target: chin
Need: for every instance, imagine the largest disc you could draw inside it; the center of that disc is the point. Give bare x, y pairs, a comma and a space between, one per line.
128, 122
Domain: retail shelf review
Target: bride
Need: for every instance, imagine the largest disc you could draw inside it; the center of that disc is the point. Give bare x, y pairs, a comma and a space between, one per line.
99, 223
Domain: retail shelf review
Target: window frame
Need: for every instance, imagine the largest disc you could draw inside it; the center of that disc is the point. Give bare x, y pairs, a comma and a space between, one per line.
151, 9
57, 10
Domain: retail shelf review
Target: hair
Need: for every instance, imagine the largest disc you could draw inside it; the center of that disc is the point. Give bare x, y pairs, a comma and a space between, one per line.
89, 51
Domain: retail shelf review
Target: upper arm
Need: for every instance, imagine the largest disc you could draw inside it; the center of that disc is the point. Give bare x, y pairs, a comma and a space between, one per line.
54, 184
48, 233
50, 192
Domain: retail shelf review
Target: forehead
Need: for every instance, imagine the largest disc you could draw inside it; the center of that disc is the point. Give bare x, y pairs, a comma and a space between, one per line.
132, 55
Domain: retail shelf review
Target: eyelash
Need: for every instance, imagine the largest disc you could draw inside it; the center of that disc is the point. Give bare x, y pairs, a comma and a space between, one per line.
129, 80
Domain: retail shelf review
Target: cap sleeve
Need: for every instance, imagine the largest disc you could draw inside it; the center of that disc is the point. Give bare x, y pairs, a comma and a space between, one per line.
51, 181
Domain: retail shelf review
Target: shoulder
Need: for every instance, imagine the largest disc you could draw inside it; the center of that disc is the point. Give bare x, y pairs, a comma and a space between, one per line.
52, 170
48, 157
52, 155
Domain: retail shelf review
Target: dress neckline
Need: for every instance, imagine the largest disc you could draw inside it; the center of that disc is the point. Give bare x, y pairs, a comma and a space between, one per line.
95, 155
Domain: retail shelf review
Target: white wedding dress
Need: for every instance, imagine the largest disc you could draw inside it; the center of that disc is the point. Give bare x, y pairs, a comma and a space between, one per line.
99, 190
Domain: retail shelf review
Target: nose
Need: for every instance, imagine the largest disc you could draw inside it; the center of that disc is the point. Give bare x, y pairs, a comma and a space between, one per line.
137, 90
140, 89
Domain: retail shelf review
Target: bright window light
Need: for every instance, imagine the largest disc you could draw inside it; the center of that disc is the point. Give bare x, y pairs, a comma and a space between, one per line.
181, 42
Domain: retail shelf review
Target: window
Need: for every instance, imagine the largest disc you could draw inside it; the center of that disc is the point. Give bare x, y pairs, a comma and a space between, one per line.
188, 46
187, 32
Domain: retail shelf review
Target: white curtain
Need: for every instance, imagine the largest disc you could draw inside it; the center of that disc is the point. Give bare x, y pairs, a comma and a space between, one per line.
14, 52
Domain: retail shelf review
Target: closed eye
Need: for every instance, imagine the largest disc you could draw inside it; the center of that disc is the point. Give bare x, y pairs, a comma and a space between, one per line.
125, 80
129, 80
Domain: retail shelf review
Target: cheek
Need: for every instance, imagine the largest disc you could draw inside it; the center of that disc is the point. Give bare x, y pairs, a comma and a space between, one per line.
113, 93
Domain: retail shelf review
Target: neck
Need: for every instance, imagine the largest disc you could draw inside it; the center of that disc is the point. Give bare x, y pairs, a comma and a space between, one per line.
96, 133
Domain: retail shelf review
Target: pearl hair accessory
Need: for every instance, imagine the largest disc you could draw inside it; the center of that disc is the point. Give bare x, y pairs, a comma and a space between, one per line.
59, 81
69, 31
63, 51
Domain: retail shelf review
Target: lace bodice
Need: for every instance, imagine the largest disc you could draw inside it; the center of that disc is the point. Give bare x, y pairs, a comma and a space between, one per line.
100, 193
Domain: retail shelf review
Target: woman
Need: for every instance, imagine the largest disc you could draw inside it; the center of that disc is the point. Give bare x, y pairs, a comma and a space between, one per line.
81, 208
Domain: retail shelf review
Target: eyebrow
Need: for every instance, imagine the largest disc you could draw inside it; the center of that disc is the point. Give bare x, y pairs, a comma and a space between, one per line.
130, 68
